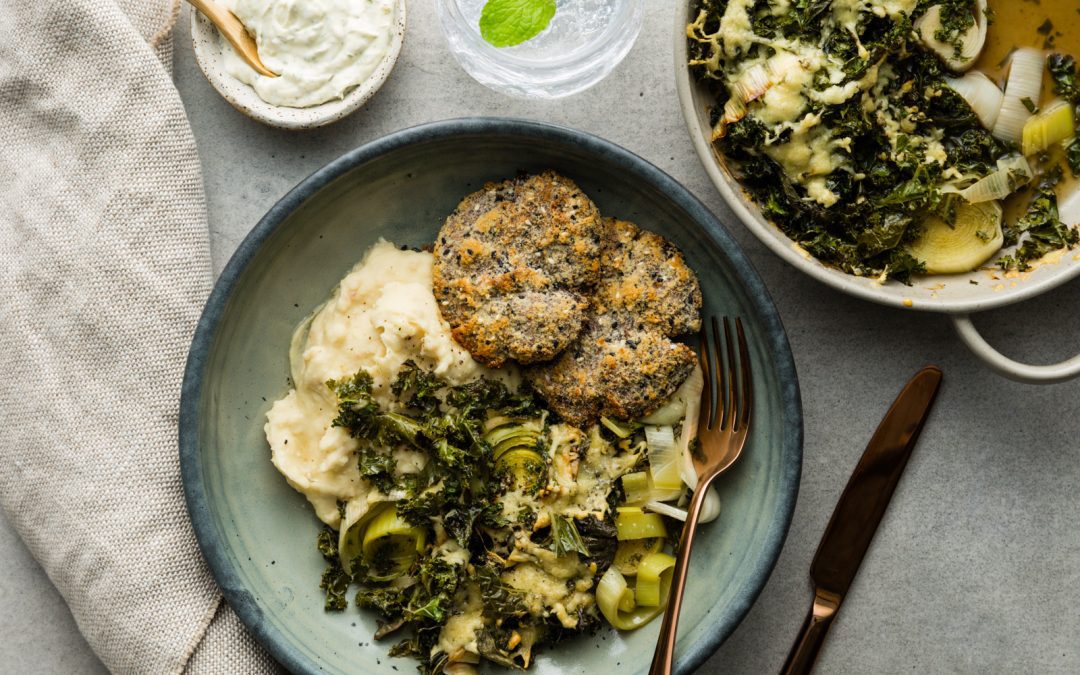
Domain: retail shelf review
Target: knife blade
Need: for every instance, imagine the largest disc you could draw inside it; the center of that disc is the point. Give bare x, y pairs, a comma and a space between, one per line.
859, 511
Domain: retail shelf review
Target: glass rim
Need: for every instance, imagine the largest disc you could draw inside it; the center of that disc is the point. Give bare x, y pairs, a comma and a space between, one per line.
507, 61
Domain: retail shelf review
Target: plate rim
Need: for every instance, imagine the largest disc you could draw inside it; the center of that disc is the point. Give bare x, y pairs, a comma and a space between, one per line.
212, 544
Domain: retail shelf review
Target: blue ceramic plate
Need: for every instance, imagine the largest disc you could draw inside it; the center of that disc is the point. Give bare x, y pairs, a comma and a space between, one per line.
258, 535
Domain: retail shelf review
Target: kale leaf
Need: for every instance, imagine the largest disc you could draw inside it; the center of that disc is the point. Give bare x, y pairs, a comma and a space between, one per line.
335, 580
417, 388
357, 410
565, 538
1072, 156
1063, 72
601, 538
1040, 230
500, 600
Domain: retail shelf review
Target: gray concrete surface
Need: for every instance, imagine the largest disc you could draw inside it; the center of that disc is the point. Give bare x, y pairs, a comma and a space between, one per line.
976, 567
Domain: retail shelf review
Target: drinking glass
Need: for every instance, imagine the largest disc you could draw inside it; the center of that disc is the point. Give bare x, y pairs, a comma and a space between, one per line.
585, 40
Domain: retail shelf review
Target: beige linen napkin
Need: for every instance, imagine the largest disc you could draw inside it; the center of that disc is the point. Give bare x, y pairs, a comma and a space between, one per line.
104, 267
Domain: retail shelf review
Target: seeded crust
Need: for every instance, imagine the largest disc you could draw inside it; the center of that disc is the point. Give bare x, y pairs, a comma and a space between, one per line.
645, 277
514, 266
625, 364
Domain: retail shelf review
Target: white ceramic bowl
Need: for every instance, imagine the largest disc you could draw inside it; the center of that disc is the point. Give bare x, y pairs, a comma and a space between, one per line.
955, 294
208, 55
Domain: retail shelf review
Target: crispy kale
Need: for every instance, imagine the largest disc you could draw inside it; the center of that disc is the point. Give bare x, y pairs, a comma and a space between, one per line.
1063, 72
601, 539
426, 601
357, 410
1072, 156
420, 647
897, 189
449, 432
417, 388
1066, 79
565, 538
1040, 230
462, 520
500, 601
335, 580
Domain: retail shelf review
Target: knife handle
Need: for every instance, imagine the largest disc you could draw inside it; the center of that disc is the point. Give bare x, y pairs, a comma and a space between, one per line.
803, 655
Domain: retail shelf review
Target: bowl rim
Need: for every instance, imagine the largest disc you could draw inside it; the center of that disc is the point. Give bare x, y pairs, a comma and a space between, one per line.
984, 296
214, 546
284, 117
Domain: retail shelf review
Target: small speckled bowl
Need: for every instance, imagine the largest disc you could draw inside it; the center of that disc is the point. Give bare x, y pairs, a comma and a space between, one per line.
258, 534
208, 55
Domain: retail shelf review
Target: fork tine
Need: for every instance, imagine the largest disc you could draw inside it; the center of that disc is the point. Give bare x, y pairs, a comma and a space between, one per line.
706, 371
747, 389
732, 410
721, 418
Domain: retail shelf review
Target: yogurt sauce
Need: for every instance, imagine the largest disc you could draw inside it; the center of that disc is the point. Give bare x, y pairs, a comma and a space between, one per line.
320, 48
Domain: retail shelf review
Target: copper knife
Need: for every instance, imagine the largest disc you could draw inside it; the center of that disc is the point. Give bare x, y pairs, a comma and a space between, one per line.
859, 511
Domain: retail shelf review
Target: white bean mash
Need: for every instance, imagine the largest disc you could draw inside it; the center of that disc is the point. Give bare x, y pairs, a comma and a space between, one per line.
382, 314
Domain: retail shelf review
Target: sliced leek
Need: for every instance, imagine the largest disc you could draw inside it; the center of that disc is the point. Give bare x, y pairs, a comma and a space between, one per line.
629, 554
752, 85
633, 523
667, 510
358, 513
1023, 88
957, 57
649, 578
664, 458
1054, 124
620, 429
980, 92
1013, 172
526, 468
636, 487
611, 594
972, 240
695, 384
504, 434
390, 545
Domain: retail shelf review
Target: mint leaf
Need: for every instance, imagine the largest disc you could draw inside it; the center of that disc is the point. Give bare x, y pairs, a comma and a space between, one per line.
505, 23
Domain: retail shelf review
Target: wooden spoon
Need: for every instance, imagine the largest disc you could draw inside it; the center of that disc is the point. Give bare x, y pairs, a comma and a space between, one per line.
234, 32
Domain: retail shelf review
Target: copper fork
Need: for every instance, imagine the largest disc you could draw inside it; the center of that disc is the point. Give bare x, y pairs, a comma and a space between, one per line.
722, 435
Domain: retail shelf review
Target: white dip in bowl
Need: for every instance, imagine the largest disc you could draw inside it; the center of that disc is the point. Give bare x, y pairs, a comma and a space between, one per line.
320, 48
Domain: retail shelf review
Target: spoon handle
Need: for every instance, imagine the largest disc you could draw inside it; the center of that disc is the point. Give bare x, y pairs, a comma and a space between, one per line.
234, 32
664, 657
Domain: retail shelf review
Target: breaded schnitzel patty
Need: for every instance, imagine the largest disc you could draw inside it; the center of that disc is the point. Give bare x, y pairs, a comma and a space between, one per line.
625, 364
514, 266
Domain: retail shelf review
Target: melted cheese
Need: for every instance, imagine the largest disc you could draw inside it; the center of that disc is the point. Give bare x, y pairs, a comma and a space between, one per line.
551, 589
786, 100
803, 77
586, 492
735, 30
808, 158
461, 629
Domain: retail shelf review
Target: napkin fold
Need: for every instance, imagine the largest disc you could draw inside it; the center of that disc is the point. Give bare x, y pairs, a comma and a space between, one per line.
104, 268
